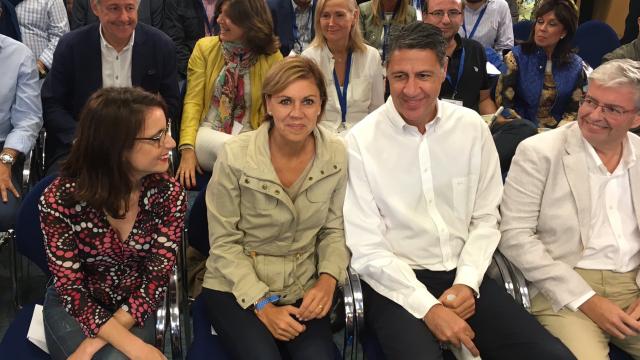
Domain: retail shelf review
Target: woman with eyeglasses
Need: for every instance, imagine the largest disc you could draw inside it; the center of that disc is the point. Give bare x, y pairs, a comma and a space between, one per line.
112, 224
353, 70
275, 202
379, 17
545, 78
224, 83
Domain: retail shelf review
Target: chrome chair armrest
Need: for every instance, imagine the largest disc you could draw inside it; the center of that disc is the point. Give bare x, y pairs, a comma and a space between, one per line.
26, 172
354, 315
520, 285
40, 146
349, 341
161, 322
175, 323
505, 274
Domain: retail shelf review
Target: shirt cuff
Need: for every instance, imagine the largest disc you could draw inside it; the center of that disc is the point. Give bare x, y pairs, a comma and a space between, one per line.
467, 275
575, 304
420, 303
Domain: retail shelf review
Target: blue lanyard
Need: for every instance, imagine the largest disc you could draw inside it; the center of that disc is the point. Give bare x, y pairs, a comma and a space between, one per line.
342, 94
386, 27
460, 70
475, 26
308, 25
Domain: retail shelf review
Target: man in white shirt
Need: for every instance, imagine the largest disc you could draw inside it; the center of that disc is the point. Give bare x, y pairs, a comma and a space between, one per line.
571, 210
489, 23
421, 219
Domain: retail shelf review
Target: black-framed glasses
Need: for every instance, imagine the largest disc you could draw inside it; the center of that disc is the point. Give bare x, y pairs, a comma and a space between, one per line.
450, 13
608, 111
160, 137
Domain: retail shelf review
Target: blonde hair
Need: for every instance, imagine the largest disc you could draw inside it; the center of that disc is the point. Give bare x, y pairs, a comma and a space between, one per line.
399, 17
287, 71
356, 41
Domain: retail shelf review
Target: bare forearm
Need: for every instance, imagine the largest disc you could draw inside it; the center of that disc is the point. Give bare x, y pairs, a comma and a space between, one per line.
91, 346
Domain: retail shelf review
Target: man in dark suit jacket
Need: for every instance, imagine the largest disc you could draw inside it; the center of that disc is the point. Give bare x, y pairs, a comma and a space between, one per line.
150, 12
284, 20
106, 54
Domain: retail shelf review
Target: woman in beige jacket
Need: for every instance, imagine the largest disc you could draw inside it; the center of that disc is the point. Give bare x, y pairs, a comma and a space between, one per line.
275, 225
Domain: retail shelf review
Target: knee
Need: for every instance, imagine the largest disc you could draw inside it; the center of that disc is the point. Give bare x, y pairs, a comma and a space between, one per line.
108, 352
8, 212
554, 350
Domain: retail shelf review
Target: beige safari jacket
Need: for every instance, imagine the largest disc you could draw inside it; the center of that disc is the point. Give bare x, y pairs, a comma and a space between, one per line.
261, 242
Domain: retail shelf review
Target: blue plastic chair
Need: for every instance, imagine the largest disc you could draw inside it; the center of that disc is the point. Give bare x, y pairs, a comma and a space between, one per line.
30, 243
594, 39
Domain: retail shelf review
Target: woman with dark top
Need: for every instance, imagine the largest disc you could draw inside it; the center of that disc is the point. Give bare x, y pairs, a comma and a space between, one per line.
112, 224
545, 79
274, 206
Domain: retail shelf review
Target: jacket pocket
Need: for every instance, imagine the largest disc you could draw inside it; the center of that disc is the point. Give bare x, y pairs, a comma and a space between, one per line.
256, 194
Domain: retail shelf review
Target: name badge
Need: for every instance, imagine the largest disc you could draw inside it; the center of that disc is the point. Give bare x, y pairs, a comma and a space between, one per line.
452, 101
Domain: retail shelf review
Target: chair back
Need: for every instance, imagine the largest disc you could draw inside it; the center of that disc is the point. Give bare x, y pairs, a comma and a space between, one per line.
29, 236
522, 30
198, 227
594, 39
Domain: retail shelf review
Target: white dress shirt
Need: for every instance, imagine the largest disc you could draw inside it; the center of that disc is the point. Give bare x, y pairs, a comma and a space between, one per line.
116, 66
42, 24
614, 243
419, 201
495, 29
365, 92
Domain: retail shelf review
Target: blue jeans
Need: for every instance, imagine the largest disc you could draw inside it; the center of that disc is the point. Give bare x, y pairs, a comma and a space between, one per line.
64, 335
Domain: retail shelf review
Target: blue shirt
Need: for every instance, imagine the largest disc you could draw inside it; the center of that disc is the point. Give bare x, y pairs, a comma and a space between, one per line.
20, 105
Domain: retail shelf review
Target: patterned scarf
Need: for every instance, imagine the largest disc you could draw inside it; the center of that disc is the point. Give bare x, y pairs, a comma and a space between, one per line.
228, 92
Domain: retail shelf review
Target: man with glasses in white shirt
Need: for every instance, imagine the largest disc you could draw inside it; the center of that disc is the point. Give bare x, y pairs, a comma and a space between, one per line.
421, 219
571, 210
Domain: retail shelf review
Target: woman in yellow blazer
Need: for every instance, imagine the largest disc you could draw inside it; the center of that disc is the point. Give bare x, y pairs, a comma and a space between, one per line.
224, 79
274, 206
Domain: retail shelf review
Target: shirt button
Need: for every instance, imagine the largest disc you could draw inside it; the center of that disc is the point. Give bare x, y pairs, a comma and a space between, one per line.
277, 192
264, 187
335, 167
246, 181
310, 178
321, 172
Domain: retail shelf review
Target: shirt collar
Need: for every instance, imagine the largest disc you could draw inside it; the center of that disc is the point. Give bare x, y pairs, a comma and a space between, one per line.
627, 160
398, 122
105, 45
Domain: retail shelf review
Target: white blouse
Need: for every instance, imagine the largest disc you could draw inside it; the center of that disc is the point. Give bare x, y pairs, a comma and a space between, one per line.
366, 85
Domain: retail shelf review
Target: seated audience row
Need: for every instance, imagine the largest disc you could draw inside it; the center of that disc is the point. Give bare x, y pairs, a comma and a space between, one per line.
440, 288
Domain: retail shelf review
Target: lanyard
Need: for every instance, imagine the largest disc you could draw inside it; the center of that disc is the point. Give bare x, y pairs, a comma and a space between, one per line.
460, 70
342, 94
386, 27
308, 24
475, 26
210, 24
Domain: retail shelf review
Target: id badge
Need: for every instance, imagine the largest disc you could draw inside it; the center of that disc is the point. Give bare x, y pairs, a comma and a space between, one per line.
343, 128
452, 101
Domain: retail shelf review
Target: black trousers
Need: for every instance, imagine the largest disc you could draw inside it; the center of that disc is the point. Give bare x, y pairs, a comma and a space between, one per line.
504, 330
246, 337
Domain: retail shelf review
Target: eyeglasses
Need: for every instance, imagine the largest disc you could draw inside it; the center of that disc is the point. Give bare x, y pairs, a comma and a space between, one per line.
450, 13
160, 137
608, 111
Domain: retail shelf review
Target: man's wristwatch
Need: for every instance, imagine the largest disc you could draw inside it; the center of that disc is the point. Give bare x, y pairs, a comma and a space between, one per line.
7, 158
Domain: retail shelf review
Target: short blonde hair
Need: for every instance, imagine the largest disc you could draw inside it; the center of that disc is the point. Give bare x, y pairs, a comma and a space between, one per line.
356, 41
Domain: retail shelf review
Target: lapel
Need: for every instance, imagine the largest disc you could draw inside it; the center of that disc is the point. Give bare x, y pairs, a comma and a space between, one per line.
575, 167
138, 57
91, 60
634, 180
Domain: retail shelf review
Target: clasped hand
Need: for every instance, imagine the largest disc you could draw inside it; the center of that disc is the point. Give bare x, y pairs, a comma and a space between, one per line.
284, 322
